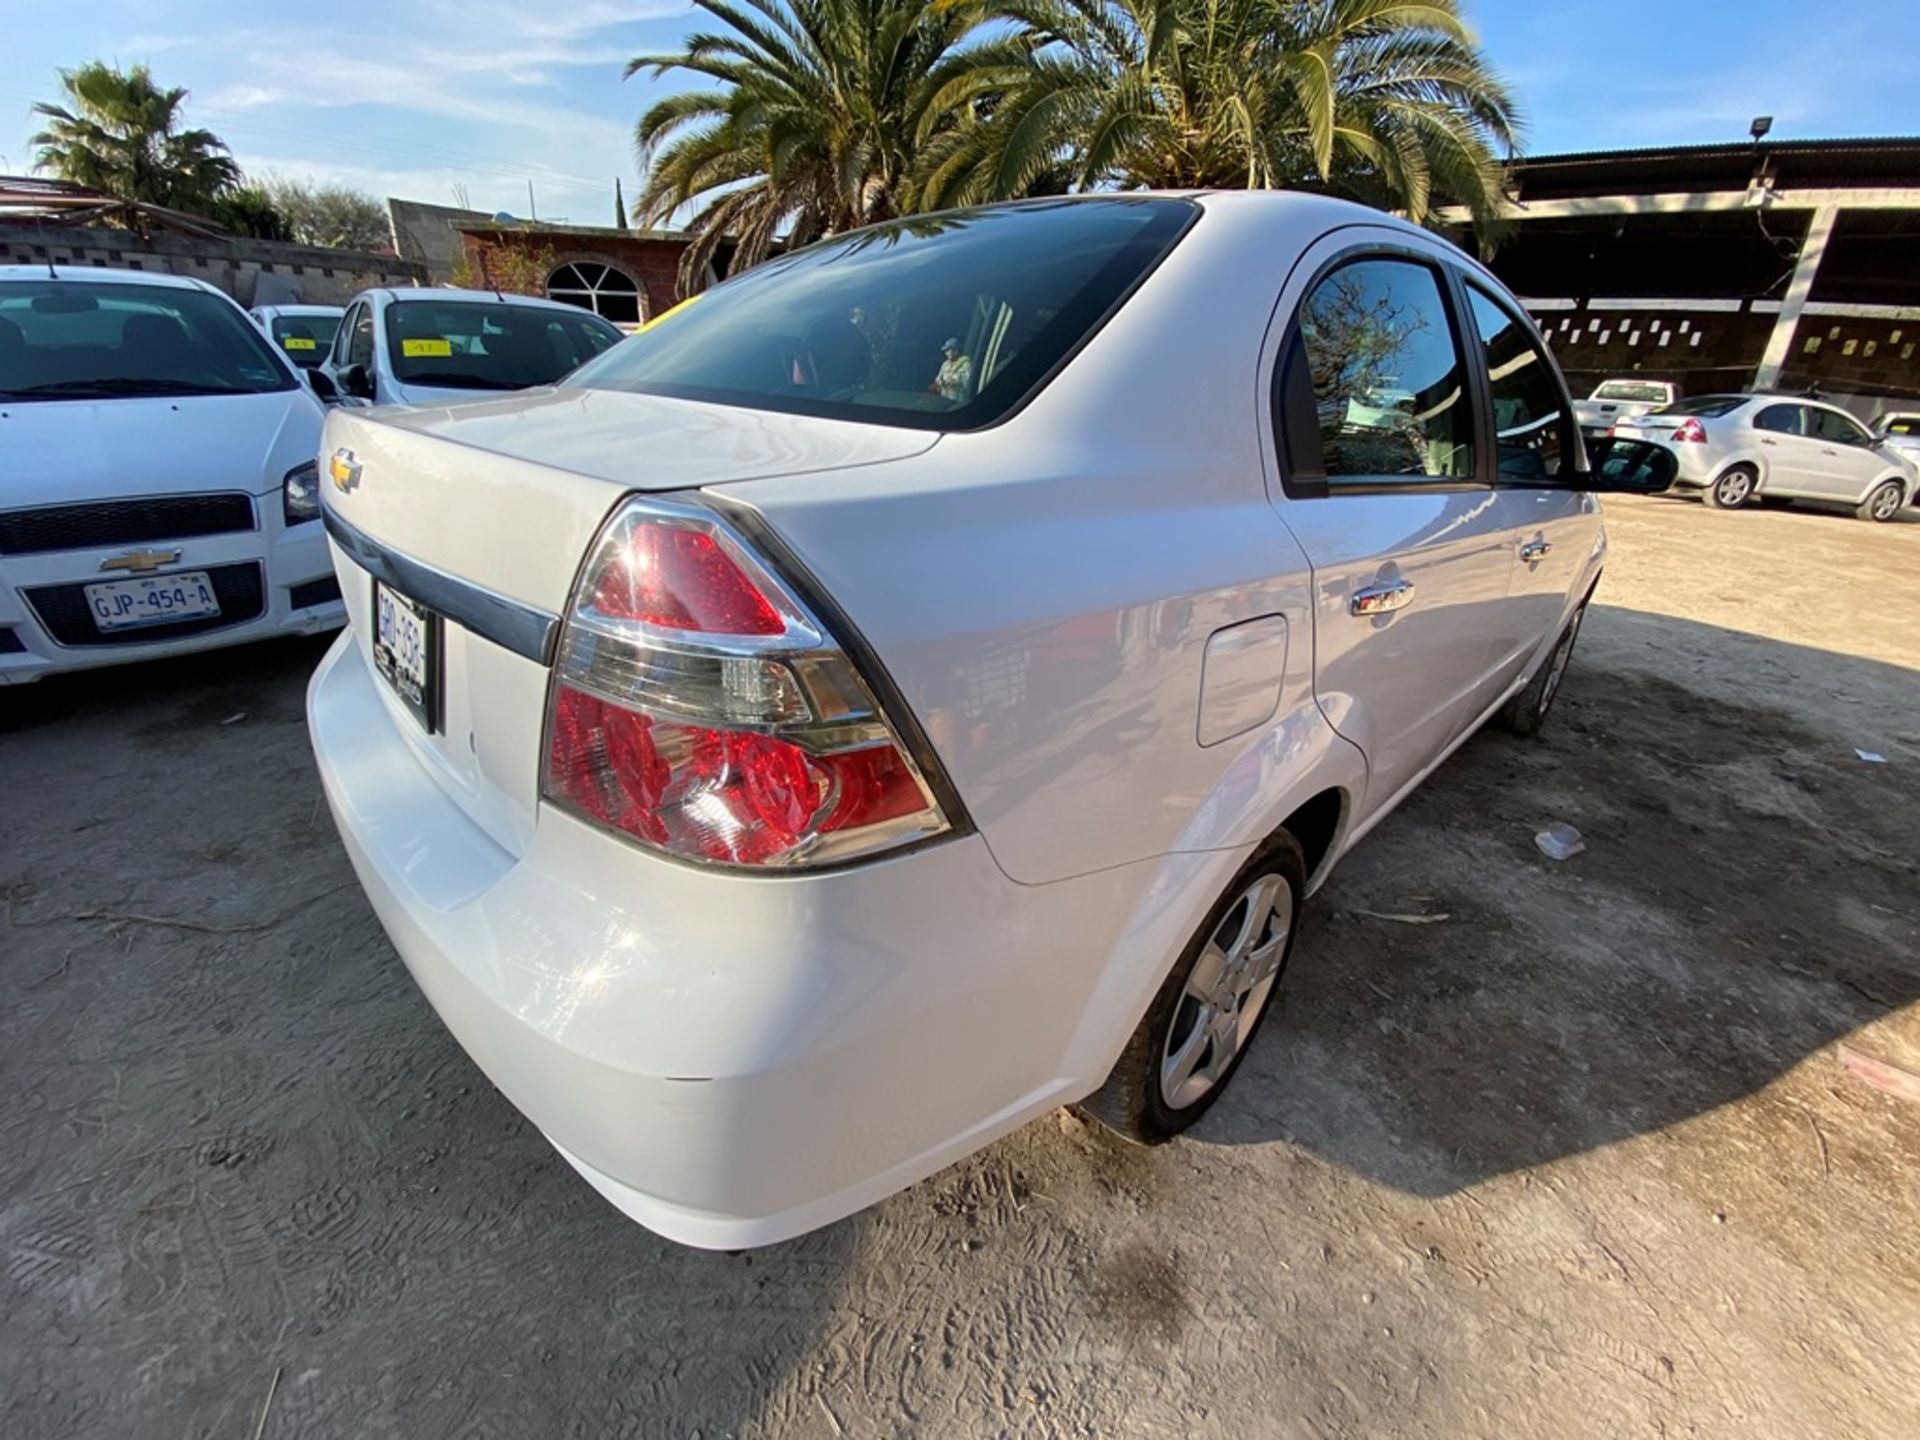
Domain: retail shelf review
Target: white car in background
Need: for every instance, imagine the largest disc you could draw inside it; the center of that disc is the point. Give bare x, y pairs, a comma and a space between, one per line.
784, 775
304, 332
157, 476
434, 347
1899, 431
1614, 400
1736, 448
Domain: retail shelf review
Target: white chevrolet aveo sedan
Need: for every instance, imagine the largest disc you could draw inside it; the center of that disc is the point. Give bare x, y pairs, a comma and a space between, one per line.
158, 491
916, 684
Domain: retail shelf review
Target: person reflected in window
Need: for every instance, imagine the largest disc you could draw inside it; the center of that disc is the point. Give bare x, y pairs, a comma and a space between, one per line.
954, 381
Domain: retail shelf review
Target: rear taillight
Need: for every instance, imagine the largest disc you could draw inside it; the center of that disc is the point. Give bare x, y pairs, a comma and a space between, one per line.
701, 709
1691, 431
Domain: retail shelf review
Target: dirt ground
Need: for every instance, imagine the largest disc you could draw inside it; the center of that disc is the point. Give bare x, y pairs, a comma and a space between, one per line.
1583, 1157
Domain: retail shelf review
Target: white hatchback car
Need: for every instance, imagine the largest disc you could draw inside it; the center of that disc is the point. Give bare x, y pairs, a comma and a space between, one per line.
158, 492
785, 774
436, 347
1733, 449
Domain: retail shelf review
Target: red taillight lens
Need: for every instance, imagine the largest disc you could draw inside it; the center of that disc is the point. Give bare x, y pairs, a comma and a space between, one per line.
1691, 432
680, 579
700, 709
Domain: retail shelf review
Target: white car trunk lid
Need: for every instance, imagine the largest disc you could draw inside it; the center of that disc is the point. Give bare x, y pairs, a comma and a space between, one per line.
502, 499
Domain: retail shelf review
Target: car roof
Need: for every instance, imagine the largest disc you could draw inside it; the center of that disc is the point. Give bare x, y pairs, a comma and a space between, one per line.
109, 276
482, 297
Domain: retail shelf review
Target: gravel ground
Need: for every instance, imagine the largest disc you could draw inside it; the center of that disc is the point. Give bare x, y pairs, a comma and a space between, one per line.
1584, 1156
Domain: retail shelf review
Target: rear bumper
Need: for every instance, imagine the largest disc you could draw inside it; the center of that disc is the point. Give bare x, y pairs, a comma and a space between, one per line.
736, 1060
295, 590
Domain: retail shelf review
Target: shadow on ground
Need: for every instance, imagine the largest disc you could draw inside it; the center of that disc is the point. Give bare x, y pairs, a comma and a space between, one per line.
1748, 895
239, 1142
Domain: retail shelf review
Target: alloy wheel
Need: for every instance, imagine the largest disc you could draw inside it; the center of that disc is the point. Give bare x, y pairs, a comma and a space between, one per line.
1226, 992
1885, 501
1733, 488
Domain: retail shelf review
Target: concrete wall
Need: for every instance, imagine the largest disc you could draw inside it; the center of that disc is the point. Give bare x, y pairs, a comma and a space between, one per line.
430, 234
254, 272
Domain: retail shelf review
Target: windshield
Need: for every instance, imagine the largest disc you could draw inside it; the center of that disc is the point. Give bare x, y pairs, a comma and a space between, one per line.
943, 323
94, 340
1900, 425
305, 338
1644, 391
472, 345
1706, 406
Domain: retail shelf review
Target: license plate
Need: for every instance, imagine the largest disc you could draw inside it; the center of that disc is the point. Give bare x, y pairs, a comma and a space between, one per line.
152, 600
406, 652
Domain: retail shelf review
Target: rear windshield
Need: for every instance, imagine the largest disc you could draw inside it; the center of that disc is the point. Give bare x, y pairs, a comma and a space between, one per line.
1901, 425
90, 340
471, 345
944, 322
1644, 391
1706, 405
305, 338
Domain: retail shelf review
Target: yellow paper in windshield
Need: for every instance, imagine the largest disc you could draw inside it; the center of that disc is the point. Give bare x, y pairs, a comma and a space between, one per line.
666, 314
415, 349
297, 342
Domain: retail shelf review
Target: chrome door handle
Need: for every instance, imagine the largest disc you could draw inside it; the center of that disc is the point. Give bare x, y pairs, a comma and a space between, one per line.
1534, 550
1381, 599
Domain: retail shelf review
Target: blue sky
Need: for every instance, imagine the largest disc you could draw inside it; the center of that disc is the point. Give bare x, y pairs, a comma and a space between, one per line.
430, 98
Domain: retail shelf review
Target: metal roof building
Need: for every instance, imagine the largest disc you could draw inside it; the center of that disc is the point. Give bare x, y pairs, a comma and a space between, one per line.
1789, 265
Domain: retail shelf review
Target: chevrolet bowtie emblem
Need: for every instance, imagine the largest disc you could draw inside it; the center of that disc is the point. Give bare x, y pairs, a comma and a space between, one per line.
345, 470
140, 561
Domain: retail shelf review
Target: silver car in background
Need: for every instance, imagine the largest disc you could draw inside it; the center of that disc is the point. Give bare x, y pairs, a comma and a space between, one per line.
1899, 431
1737, 448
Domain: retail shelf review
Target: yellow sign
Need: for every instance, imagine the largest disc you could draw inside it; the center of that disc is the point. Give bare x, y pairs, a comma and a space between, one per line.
298, 342
671, 310
414, 349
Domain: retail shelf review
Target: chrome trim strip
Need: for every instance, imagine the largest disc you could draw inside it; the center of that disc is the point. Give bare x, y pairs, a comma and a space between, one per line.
507, 623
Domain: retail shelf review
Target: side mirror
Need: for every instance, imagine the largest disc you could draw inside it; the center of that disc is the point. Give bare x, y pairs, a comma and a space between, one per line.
1629, 467
357, 382
323, 386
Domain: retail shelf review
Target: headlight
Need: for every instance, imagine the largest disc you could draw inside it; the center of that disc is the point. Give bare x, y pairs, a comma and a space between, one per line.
300, 493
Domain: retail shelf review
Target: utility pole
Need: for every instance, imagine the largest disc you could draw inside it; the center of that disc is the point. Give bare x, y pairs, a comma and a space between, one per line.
533, 212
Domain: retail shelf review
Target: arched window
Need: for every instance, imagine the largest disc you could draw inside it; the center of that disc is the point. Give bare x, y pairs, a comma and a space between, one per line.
599, 288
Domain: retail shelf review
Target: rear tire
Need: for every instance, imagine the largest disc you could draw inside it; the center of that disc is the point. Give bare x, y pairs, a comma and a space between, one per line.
1733, 487
1883, 502
1189, 1044
1526, 712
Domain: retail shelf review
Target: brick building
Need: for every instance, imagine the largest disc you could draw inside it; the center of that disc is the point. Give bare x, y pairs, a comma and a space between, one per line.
1792, 266
629, 276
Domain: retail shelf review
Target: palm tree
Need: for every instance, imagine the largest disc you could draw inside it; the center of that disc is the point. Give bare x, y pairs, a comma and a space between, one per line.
117, 134
1388, 101
815, 122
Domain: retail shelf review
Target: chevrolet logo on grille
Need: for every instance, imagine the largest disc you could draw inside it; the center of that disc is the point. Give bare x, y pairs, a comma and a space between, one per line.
345, 470
139, 562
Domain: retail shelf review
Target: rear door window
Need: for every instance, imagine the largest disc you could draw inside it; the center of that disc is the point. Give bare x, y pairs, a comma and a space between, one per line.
1389, 386
1782, 420
1531, 414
